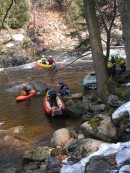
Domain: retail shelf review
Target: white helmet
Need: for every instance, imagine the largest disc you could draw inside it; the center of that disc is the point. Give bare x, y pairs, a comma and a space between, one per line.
43, 56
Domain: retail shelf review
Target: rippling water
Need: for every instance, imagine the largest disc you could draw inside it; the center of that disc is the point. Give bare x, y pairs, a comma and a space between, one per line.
30, 113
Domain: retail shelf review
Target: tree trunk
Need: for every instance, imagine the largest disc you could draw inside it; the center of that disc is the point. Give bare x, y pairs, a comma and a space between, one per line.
124, 7
96, 47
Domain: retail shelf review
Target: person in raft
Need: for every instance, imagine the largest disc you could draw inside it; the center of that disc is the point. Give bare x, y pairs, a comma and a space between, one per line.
25, 91
43, 60
64, 89
51, 95
51, 60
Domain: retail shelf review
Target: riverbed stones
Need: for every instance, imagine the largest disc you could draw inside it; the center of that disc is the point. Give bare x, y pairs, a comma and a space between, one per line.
83, 147
77, 96
97, 165
60, 137
97, 108
38, 154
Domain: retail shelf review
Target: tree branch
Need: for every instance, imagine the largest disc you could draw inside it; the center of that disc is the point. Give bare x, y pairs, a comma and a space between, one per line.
6, 14
67, 65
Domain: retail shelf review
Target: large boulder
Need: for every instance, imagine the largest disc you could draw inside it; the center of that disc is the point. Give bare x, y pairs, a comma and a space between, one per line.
114, 101
97, 162
78, 110
60, 137
82, 147
99, 127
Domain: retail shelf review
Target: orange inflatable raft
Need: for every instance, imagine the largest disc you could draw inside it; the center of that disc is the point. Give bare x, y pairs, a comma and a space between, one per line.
54, 110
21, 98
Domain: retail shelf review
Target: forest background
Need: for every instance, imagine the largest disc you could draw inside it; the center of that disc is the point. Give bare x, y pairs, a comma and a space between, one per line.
85, 22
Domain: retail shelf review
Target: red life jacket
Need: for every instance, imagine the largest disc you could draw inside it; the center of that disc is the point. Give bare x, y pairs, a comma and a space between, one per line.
50, 60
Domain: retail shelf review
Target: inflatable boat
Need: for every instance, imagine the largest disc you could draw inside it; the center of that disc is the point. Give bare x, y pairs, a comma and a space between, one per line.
89, 81
56, 109
21, 98
44, 65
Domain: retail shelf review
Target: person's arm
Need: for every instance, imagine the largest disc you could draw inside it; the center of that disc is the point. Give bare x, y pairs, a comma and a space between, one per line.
60, 89
54, 61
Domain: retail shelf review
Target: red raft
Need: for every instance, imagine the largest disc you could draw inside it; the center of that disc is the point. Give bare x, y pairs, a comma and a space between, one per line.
54, 110
21, 98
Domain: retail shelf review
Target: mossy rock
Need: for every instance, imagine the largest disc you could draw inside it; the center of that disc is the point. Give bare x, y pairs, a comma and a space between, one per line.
95, 122
111, 111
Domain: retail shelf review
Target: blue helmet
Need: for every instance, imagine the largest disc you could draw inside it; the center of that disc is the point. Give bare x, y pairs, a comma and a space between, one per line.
61, 82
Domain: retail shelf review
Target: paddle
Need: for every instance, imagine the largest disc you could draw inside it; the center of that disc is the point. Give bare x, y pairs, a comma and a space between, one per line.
61, 66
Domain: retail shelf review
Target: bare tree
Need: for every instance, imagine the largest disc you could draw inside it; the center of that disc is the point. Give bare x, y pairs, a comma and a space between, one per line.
106, 17
96, 47
124, 7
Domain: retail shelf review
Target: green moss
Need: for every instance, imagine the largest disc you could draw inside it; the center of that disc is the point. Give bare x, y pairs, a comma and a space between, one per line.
122, 93
95, 122
111, 111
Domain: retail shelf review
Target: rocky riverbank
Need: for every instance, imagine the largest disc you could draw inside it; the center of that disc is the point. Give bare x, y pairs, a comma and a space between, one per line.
68, 146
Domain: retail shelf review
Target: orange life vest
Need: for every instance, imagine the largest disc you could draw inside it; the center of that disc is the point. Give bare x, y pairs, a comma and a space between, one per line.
23, 93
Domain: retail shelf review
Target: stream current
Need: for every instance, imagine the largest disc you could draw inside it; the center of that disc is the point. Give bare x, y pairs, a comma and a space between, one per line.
30, 113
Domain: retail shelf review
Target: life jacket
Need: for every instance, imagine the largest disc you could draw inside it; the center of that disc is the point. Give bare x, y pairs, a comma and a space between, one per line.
67, 91
122, 62
43, 61
109, 65
64, 90
50, 60
23, 93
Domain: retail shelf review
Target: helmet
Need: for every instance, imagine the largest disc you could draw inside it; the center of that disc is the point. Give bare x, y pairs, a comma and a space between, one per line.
50, 56
43, 56
61, 82
112, 56
116, 56
24, 85
121, 57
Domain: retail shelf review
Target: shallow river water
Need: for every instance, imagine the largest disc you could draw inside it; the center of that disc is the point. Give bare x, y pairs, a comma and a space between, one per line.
30, 113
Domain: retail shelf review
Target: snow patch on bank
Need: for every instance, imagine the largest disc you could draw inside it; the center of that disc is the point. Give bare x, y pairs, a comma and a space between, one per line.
121, 109
122, 151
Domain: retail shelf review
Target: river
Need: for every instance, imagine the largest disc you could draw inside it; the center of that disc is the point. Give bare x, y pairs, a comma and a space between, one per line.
30, 113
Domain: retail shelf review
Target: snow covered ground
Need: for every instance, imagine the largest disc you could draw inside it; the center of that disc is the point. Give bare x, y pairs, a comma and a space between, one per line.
122, 151
121, 109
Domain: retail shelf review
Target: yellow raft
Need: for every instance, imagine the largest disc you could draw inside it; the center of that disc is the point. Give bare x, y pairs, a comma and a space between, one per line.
44, 65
